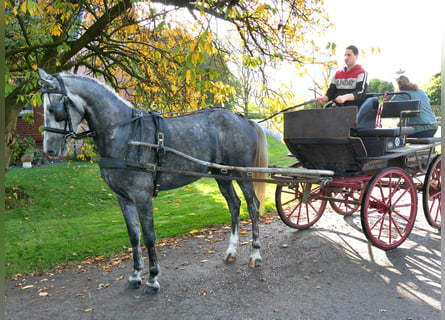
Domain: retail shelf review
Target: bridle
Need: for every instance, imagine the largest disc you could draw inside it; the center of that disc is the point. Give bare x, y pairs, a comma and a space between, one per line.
61, 113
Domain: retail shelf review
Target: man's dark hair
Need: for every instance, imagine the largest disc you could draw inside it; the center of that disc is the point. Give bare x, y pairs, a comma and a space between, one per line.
353, 48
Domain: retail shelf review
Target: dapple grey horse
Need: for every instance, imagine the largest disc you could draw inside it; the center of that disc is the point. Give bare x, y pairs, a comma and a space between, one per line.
213, 135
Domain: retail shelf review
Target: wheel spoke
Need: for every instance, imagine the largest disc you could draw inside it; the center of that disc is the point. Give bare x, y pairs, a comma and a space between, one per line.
382, 223
290, 201
401, 215
377, 222
438, 210
395, 226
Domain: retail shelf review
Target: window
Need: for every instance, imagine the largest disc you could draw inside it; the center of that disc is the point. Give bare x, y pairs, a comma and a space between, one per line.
28, 109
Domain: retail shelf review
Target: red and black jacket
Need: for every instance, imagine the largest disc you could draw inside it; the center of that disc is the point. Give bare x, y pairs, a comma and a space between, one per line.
354, 81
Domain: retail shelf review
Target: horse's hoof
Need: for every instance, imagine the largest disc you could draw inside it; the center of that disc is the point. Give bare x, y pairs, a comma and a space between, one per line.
151, 289
230, 257
254, 262
134, 284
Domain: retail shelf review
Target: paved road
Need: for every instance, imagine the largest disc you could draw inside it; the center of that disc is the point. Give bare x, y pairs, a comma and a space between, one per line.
326, 272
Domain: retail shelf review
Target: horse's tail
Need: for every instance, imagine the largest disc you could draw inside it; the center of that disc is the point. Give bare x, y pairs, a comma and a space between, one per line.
261, 160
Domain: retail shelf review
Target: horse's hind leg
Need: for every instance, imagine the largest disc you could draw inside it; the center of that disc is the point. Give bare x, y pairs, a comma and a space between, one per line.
253, 206
234, 203
131, 219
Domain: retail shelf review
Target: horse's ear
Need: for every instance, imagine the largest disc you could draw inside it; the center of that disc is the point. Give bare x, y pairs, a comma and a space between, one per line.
48, 80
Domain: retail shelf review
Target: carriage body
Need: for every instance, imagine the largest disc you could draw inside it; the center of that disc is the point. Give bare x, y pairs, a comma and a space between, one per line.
376, 170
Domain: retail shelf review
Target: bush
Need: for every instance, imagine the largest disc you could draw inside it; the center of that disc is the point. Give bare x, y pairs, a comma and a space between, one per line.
23, 146
84, 152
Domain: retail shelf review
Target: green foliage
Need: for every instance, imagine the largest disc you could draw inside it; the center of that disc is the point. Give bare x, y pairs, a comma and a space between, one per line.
24, 145
380, 86
433, 89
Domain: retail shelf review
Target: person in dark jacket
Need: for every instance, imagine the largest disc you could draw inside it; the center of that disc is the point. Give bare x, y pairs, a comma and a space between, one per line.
348, 86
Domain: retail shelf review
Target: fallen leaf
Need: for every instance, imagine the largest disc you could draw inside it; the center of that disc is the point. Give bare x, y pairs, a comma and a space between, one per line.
263, 279
27, 287
43, 294
88, 310
119, 278
285, 246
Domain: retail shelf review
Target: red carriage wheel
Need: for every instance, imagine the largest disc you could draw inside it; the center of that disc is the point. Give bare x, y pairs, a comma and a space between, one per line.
298, 205
432, 194
389, 208
347, 206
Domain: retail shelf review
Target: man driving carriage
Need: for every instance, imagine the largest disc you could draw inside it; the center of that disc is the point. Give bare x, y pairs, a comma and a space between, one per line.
348, 86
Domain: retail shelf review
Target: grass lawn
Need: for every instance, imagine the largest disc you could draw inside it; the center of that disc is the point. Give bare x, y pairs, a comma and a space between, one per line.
64, 214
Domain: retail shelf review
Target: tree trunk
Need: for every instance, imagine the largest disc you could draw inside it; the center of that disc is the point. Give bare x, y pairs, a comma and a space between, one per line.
12, 110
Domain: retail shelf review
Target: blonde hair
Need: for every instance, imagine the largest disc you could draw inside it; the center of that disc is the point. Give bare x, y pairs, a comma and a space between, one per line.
404, 84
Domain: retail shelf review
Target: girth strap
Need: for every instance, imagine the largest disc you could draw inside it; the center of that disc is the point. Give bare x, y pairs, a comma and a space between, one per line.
160, 136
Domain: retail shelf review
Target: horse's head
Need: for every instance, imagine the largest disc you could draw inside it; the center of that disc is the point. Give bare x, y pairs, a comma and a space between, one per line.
63, 112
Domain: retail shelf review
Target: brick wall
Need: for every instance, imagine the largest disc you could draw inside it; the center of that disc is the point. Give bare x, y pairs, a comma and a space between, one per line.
24, 129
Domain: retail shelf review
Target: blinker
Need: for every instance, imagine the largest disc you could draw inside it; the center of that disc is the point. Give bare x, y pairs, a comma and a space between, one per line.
59, 111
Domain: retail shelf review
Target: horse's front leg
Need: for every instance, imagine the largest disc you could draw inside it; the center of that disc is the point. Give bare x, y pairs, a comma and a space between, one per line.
145, 210
131, 218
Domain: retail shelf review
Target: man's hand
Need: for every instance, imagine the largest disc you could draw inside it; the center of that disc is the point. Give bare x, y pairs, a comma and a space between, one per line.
322, 99
346, 97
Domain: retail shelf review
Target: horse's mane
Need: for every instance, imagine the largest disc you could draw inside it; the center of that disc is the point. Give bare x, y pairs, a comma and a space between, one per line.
107, 87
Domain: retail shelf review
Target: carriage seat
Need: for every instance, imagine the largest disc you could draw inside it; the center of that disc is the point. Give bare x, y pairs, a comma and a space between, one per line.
366, 118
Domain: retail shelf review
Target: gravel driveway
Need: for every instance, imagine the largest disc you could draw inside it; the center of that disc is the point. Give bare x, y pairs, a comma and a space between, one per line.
327, 272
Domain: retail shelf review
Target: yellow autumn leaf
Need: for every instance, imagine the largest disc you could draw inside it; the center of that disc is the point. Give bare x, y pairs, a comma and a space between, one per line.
23, 7
27, 287
260, 9
188, 76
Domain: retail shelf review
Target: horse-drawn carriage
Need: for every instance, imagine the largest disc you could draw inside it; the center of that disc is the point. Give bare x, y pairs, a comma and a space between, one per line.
377, 170
342, 159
